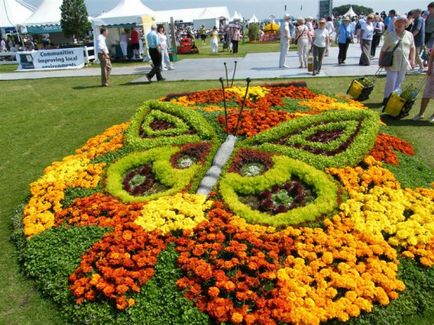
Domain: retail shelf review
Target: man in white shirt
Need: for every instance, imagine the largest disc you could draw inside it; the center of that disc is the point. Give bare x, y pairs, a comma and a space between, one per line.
284, 41
104, 57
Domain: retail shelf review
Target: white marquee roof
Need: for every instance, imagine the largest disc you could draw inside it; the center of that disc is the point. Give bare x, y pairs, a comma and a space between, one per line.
237, 16
125, 12
14, 12
188, 15
48, 13
350, 12
253, 20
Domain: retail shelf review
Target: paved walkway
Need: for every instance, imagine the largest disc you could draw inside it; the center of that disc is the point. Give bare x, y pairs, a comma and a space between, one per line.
255, 66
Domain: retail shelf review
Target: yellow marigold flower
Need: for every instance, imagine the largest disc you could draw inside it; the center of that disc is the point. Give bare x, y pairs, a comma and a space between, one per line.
168, 213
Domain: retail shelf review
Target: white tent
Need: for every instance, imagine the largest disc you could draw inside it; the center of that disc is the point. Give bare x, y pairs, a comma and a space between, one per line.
189, 15
350, 12
253, 20
237, 17
46, 18
13, 12
124, 13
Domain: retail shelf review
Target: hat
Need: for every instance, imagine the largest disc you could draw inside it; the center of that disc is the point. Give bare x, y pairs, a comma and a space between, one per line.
322, 20
286, 16
399, 18
346, 18
300, 20
153, 26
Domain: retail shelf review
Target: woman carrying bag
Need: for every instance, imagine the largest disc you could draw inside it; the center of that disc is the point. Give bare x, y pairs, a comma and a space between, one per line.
399, 47
344, 37
302, 39
321, 38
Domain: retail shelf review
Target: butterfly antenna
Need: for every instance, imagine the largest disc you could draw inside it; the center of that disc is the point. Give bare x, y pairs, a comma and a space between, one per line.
227, 77
224, 103
242, 107
233, 75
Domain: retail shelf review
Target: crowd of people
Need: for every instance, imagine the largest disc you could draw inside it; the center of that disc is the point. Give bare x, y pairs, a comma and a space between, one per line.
408, 39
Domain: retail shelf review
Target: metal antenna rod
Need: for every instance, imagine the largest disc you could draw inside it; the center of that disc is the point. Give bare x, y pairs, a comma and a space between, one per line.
242, 107
224, 103
227, 77
233, 76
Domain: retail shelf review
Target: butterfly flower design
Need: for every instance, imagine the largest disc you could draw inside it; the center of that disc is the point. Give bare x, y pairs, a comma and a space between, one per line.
245, 198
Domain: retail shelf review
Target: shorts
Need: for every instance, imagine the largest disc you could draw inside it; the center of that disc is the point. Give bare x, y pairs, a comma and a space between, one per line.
429, 87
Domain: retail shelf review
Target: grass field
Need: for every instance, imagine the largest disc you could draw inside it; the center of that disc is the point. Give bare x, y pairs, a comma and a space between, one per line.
45, 120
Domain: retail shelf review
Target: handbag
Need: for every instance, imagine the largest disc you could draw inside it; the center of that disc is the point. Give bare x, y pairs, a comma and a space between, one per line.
294, 41
387, 59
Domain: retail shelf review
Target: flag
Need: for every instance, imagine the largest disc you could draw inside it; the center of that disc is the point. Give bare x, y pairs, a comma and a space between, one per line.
301, 8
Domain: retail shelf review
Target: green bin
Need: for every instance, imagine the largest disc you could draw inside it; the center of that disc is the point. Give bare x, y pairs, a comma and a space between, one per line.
173, 56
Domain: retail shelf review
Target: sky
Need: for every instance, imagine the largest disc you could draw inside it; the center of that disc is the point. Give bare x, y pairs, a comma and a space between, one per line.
261, 8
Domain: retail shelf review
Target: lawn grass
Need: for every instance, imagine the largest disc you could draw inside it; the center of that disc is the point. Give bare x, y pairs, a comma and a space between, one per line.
45, 120
243, 49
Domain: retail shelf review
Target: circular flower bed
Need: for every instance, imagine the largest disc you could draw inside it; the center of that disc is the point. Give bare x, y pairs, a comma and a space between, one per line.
317, 216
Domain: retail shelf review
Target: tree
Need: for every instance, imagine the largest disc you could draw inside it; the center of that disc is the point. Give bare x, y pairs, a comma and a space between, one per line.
253, 32
74, 19
359, 10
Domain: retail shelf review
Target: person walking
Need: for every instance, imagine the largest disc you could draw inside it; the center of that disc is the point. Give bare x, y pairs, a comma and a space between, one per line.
429, 26
155, 53
403, 56
236, 36
344, 37
320, 39
303, 39
366, 36
389, 22
165, 59
284, 41
428, 93
378, 33
104, 57
418, 31
331, 29
214, 40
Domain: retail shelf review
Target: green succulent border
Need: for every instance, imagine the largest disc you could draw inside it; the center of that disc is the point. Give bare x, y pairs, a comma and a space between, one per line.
180, 126
355, 152
284, 167
176, 179
193, 119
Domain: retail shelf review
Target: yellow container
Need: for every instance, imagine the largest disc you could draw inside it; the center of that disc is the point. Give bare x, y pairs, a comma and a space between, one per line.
355, 89
310, 63
394, 105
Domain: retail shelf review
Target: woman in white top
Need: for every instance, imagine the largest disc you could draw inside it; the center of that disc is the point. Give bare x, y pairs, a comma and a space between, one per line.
302, 38
124, 43
403, 57
366, 36
165, 59
321, 38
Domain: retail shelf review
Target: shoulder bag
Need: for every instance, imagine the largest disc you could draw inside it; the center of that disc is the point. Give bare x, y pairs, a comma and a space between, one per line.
387, 59
301, 34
